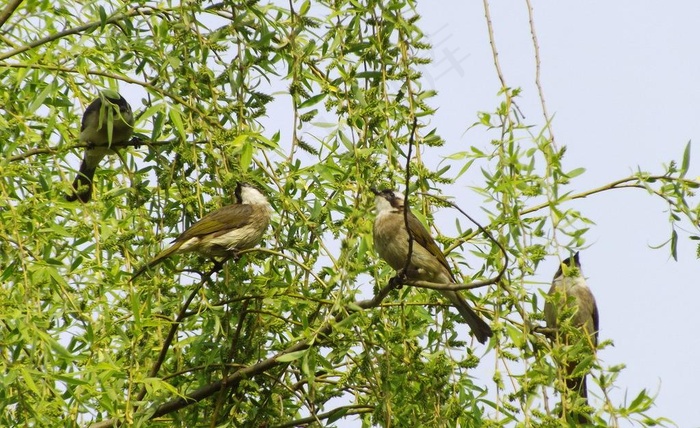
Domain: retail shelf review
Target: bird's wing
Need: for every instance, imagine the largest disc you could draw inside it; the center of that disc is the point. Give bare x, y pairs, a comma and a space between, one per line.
94, 106
595, 323
221, 220
422, 236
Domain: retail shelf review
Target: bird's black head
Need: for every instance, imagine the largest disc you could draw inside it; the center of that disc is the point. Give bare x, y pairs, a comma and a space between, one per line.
109, 98
115, 98
237, 193
246, 193
394, 200
570, 263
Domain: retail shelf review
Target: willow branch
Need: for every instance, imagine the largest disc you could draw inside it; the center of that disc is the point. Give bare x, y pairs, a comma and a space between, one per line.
76, 30
624, 183
449, 287
345, 410
55, 150
500, 246
538, 63
405, 199
169, 339
152, 86
12, 5
494, 51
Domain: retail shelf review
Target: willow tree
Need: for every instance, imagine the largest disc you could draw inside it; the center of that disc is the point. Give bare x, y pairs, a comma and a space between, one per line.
315, 103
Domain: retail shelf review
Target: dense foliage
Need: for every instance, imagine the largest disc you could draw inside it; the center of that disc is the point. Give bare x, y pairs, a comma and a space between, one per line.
314, 103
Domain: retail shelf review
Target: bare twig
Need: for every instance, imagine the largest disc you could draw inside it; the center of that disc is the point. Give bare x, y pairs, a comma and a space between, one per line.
451, 286
494, 51
55, 150
538, 83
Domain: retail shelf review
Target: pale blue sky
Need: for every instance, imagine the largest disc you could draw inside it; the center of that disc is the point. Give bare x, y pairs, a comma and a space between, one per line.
621, 79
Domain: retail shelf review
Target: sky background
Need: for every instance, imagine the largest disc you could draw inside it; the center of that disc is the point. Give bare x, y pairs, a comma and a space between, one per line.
621, 80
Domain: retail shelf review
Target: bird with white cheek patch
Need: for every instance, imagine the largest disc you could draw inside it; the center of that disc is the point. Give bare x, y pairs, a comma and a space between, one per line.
224, 232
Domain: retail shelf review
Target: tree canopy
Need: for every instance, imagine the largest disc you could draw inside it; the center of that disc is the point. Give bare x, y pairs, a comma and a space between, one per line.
314, 103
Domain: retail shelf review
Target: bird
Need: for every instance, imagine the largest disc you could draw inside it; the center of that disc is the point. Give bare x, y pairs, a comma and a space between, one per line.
107, 121
223, 232
569, 287
428, 263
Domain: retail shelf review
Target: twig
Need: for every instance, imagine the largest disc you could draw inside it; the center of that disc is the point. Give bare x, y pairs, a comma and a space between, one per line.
451, 286
538, 83
76, 30
54, 150
624, 183
346, 411
169, 339
485, 232
494, 51
12, 5
406, 209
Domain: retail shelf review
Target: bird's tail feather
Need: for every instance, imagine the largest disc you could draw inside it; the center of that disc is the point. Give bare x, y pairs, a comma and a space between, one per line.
578, 386
481, 330
157, 259
82, 185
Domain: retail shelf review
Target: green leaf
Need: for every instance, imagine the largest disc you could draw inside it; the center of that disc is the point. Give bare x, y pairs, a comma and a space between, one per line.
38, 100
337, 414
313, 100
575, 172
28, 379
674, 245
292, 356
246, 156
685, 163
177, 123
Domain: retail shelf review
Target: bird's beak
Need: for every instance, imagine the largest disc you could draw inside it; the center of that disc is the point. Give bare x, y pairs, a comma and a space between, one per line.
374, 190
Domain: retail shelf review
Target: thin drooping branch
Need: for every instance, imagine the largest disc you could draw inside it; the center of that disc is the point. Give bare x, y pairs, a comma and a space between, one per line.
504, 268
406, 209
624, 183
451, 286
538, 63
169, 338
152, 86
494, 51
76, 30
343, 410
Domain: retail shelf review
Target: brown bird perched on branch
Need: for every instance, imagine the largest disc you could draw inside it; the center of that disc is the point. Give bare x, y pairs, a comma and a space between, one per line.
224, 232
107, 120
427, 261
570, 291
